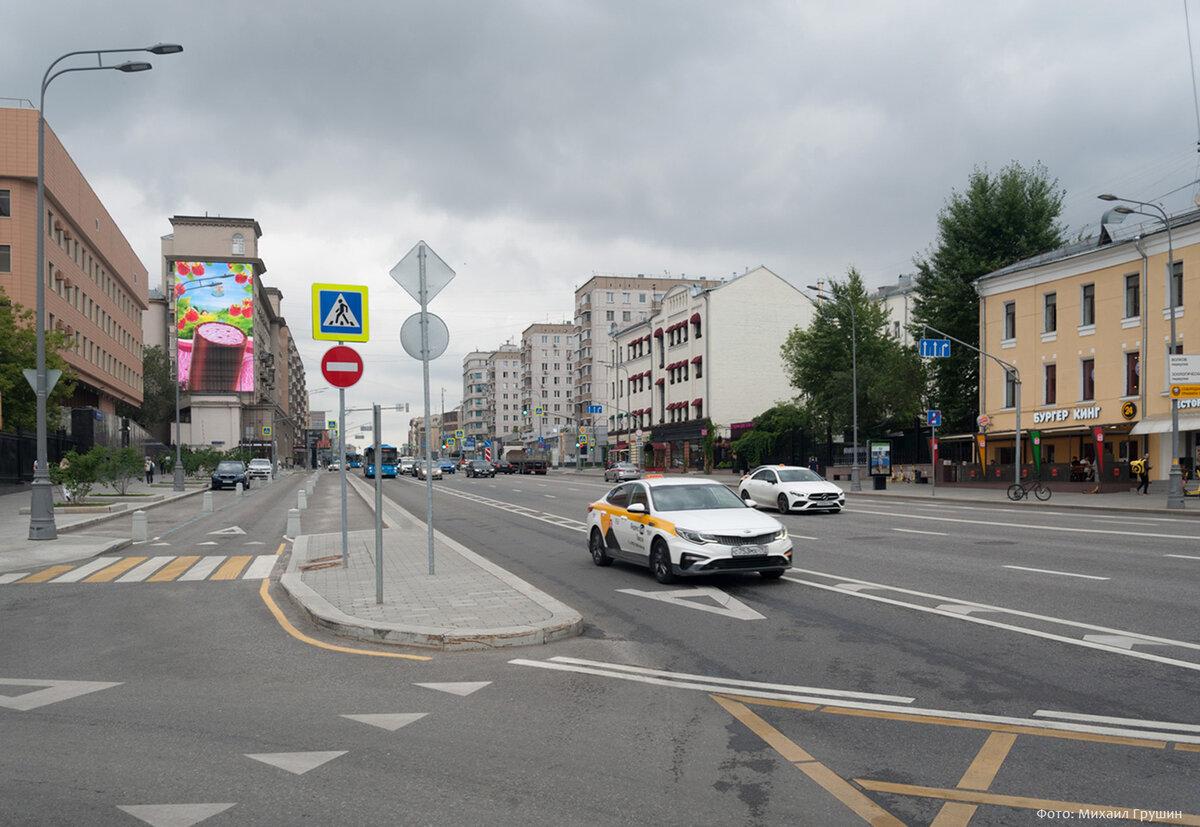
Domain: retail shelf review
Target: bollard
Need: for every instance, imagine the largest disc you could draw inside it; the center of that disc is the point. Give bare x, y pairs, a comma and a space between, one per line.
207, 501
239, 490
139, 527
293, 526
301, 499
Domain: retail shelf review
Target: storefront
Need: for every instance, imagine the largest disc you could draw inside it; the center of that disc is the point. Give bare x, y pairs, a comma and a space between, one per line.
677, 448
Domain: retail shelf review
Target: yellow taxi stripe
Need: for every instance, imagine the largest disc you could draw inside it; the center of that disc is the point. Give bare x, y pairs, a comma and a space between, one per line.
46, 574
115, 570
173, 569
231, 568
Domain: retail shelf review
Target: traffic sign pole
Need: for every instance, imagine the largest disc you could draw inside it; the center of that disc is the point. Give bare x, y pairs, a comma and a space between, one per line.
342, 467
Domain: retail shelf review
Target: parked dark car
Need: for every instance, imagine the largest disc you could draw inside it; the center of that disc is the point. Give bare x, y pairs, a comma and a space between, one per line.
480, 468
505, 467
229, 473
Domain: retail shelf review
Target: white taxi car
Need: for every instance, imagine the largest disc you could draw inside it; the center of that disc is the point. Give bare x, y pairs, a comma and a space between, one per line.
682, 527
790, 488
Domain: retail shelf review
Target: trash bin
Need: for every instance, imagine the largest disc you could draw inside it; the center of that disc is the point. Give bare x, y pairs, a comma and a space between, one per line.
880, 483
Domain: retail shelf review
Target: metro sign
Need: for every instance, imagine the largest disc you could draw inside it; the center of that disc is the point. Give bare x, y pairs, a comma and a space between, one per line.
341, 366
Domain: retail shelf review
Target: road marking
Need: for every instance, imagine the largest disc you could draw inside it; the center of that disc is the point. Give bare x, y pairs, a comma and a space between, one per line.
1104, 719
164, 815
107, 575
1059, 573
47, 574
460, 688
297, 763
49, 692
174, 569
724, 604
144, 570
231, 568
12, 577
1030, 526
1183, 556
390, 722
262, 567
231, 530
915, 531
80, 572
201, 570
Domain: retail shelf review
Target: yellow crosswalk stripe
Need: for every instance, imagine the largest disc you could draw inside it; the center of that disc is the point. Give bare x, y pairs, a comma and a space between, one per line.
232, 568
47, 574
173, 569
115, 570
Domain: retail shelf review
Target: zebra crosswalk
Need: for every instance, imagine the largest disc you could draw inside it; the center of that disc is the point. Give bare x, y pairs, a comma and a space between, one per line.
159, 569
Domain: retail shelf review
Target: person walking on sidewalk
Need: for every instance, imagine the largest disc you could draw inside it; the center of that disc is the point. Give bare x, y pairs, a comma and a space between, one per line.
1142, 468
149, 471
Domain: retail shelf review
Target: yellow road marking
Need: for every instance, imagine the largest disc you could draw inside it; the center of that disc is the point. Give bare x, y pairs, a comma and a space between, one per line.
173, 569
303, 638
107, 575
231, 568
979, 776
833, 783
46, 574
1021, 802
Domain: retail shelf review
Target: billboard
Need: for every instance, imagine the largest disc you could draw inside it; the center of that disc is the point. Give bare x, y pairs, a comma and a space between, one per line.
214, 325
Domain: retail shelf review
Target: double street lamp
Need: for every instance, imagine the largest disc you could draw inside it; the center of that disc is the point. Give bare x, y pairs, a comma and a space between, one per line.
41, 516
855, 479
1175, 479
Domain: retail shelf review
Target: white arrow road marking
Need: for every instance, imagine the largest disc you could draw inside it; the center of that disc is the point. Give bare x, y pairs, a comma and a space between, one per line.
50, 693
462, 688
296, 763
173, 815
960, 609
231, 530
724, 604
390, 722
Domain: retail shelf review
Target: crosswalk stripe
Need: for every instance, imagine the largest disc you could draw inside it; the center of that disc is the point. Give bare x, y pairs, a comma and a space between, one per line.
173, 570
202, 570
261, 568
145, 569
43, 576
107, 575
232, 568
12, 576
80, 572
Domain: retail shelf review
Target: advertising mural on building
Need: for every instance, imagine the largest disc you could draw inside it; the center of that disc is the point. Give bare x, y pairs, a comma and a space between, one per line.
214, 326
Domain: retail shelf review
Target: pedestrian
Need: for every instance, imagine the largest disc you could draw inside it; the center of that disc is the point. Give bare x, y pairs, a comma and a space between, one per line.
1143, 474
813, 465
149, 471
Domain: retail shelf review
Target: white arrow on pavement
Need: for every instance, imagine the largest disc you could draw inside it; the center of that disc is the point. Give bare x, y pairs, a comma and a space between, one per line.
231, 530
296, 763
390, 722
721, 603
49, 692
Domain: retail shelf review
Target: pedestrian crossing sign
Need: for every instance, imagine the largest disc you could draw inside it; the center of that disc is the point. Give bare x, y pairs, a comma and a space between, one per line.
340, 312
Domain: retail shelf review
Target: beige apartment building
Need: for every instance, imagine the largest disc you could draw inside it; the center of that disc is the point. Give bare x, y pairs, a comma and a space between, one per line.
95, 286
1088, 328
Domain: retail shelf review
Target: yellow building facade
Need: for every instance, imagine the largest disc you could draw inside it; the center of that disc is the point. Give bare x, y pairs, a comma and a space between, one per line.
1088, 329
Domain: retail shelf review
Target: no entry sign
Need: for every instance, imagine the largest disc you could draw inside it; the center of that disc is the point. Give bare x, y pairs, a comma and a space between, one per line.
341, 366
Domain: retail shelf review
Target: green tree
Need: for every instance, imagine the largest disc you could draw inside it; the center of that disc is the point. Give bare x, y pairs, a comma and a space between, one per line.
78, 472
755, 447
117, 467
820, 361
996, 221
158, 391
18, 352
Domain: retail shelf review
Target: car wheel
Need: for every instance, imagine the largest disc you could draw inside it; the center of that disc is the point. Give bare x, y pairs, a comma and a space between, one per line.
599, 549
772, 575
660, 563
746, 498
782, 504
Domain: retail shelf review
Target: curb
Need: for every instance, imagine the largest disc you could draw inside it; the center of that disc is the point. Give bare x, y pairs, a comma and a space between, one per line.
103, 518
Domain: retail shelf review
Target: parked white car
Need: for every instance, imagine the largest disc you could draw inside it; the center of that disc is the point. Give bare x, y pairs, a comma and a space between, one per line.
790, 488
260, 469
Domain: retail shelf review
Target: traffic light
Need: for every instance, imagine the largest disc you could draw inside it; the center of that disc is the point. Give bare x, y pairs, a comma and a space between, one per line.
524, 411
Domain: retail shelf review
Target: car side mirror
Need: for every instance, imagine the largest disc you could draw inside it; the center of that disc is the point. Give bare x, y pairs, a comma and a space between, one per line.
636, 508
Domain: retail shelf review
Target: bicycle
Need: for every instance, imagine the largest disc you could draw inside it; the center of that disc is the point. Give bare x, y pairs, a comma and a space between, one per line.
1039, 489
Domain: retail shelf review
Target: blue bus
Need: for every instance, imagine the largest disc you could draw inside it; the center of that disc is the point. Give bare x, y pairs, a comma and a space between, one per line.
353, 460
387, 463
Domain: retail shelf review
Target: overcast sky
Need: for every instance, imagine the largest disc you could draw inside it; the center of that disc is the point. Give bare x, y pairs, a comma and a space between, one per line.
534, 144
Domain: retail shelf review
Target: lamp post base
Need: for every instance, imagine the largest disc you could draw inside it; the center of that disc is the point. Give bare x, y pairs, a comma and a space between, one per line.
41, 509
855, 479
177, 477
1175, 487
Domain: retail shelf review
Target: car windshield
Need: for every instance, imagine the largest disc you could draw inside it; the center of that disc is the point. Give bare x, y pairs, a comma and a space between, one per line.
694, 498
229, 467
798, 475
257, 462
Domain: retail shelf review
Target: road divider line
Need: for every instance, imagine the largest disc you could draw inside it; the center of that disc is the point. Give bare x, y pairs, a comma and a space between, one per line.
1059, 573
917, 531
1142, 535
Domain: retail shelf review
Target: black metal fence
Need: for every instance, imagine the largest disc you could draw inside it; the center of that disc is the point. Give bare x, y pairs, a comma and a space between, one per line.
18, 452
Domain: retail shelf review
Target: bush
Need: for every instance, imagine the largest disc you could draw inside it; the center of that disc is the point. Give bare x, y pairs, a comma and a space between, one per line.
117, 467
77, 473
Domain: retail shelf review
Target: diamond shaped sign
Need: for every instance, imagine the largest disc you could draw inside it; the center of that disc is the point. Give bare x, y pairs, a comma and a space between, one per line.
407, 272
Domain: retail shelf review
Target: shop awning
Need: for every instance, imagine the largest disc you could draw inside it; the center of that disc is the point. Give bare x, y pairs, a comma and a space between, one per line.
658, 446
695, 318
1162, 424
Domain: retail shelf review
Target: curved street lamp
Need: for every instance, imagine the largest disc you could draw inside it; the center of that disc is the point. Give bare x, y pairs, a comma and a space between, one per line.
41, 511
1175, 478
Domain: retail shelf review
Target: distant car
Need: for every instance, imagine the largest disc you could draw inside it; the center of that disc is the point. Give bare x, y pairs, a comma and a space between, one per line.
229, 473
684, 527
430, 469
480, 468
447, 466
407, 465
335, 466
505, 467
622, 471
790, 488
259, 469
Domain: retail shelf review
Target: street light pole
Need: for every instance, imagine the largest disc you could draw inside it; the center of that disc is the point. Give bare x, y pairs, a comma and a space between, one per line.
1175, 477
41, 510
855, 477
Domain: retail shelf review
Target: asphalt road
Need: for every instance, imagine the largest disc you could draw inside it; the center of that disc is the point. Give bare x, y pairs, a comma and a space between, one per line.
906, 668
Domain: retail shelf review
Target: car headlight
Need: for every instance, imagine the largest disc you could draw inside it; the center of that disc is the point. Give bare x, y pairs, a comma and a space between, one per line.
694, 536
782, 533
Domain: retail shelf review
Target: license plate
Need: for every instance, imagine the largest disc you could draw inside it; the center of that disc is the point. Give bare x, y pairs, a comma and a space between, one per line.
749, 551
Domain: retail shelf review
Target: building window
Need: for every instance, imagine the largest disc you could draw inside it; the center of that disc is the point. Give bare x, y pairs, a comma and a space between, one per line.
1087, 306
5, 203
1010, 390
239, 244
1050, 313
1133, 303
1010, 320
1050, 393
1133, 373
1087, 380
1177, 284
5, 259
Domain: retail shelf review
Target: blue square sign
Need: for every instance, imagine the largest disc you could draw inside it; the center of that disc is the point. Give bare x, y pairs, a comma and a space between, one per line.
340, 312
